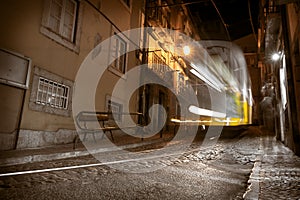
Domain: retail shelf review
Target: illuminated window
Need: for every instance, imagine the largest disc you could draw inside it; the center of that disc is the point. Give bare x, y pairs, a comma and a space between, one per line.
51, 93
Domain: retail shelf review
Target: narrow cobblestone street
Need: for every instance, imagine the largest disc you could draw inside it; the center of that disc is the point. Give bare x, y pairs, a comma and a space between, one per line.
276, 172
150, 100
248, 166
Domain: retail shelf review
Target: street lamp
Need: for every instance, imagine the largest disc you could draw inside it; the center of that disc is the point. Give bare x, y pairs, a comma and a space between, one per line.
275, 56
186, 50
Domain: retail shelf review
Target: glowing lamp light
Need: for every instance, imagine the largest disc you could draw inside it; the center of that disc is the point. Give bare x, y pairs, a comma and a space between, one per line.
205, 112
186, 50
275, 56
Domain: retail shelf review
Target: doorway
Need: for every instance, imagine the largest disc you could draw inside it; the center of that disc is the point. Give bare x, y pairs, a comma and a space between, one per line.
14, 81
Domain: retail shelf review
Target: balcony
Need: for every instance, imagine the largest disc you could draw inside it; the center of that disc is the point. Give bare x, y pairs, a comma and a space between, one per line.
159, 66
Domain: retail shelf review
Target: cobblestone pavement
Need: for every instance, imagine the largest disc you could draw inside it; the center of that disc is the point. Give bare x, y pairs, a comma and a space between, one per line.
219, 172
276, 172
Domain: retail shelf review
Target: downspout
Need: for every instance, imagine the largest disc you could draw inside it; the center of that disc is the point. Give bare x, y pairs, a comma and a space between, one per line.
144, 61
21, 116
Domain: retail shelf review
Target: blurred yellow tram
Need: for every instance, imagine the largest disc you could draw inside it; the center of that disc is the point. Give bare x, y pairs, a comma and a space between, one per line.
224, 90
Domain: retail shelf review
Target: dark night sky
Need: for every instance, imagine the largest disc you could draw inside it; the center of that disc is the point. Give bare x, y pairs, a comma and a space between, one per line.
235, 14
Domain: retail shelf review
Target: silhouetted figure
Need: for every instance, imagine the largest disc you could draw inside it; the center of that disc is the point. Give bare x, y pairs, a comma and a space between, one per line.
267, 108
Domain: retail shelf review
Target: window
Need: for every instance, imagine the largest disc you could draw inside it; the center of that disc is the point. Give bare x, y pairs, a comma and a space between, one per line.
127, 2
51, 93
119, 54
62, 18
61, 22
114, 107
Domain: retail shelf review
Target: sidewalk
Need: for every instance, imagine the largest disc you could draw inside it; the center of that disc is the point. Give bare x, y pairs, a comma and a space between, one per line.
23, 156
276, 172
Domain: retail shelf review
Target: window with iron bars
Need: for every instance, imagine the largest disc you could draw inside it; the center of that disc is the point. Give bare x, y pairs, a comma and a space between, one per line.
51, 93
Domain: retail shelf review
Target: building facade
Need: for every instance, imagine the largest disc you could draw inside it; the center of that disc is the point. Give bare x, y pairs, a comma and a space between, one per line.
279, 45
42, 47
46, 41
170, 23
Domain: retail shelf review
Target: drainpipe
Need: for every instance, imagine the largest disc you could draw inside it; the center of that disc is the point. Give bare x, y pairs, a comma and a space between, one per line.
145, 60
19, 123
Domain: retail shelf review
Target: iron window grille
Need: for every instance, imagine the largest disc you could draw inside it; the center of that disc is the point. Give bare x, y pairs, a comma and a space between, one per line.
51, 93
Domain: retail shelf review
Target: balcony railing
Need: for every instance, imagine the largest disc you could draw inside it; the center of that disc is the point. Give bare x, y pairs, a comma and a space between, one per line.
161, 68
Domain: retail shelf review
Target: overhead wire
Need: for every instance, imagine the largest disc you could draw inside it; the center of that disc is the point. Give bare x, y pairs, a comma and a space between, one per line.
178, 4
251, 20
224, 24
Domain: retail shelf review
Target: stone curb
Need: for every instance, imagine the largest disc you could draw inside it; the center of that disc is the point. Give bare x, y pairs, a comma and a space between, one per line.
252, 192
61, 155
